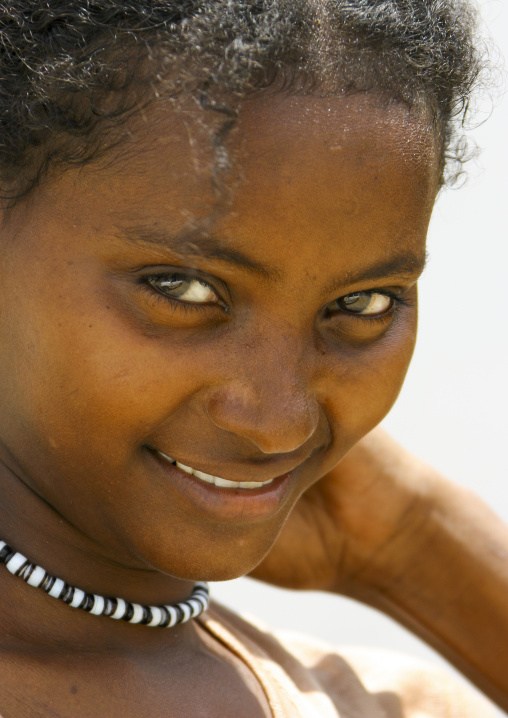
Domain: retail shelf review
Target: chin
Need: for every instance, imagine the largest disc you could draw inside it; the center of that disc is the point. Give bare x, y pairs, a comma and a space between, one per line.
224, 565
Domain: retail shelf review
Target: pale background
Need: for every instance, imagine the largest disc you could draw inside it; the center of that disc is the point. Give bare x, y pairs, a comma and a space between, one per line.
453, 408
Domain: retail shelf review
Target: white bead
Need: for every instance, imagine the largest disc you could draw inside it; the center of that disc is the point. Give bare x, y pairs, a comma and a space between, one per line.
77, 598
98, 605
205, 600
195, 607
200, 602
157, 616
173, 615
14, 563
2, 544
57, 588
186, 610
37, 577
137, 616
120, 610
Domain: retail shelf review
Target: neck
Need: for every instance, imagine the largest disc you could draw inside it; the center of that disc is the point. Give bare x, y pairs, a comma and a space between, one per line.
31, 618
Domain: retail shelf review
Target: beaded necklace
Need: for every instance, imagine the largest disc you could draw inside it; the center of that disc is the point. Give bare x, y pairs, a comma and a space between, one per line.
164, 616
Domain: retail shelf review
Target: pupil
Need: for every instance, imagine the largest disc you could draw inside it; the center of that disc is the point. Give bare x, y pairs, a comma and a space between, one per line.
174, 285
357, 302
351, 298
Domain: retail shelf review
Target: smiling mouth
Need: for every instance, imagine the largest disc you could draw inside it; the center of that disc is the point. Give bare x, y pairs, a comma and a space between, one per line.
216, 480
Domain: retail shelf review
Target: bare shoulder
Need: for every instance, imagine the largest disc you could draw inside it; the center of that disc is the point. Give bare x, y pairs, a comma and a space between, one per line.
407, 687
378, 683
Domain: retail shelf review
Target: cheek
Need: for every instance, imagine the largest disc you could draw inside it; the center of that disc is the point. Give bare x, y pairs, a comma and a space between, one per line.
79, 386
110, 387
364, 381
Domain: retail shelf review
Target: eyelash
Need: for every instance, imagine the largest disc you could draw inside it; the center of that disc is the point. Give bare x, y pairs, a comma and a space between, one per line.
174, 305
181, 305
397, 300
397, 303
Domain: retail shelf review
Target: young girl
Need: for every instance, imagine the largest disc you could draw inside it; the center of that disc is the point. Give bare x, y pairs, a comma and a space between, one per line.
213, 223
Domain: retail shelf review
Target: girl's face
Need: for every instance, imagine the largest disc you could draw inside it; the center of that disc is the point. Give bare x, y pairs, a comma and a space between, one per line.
255, 337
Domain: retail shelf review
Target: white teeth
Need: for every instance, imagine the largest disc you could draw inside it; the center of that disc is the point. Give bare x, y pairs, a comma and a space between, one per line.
202, 475
183, 467
217, 480
224, 482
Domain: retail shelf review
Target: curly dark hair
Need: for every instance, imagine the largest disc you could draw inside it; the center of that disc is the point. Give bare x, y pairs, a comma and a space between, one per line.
72, 71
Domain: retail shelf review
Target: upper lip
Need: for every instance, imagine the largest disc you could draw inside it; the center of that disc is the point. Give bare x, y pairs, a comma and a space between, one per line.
250, 472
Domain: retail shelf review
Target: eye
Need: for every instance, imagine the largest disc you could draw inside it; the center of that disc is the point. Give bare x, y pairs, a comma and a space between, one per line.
185, 288
364, 303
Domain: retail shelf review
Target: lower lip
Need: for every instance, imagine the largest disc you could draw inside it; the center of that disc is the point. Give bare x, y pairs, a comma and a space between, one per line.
223, 504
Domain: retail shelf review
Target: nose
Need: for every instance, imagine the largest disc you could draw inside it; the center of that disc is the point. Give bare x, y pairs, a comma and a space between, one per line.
268, 398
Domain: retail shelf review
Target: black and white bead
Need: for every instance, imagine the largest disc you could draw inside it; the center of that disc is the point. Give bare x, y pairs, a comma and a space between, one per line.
163, 616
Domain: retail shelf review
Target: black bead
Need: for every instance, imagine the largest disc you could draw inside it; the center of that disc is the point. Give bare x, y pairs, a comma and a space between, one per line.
6, 552
110, 605
9, 555
68, 594
28, 572
48, 583
129, 613
22, 568
147, 615
166, 617
87, 603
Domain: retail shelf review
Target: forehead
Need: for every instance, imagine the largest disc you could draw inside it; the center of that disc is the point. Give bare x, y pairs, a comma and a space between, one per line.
334, 160
300, 167
282, 132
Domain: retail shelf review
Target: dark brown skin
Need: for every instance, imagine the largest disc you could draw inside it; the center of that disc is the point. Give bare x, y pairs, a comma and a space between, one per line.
388, 530
264, 374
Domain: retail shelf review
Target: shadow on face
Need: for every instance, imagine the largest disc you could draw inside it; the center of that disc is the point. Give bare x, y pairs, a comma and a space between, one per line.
251, 337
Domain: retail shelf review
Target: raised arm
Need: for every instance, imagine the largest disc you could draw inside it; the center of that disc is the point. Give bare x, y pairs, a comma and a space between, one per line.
390, 531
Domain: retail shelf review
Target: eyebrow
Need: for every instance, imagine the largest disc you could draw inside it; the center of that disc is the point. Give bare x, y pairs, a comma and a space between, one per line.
195, 244
407, 264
